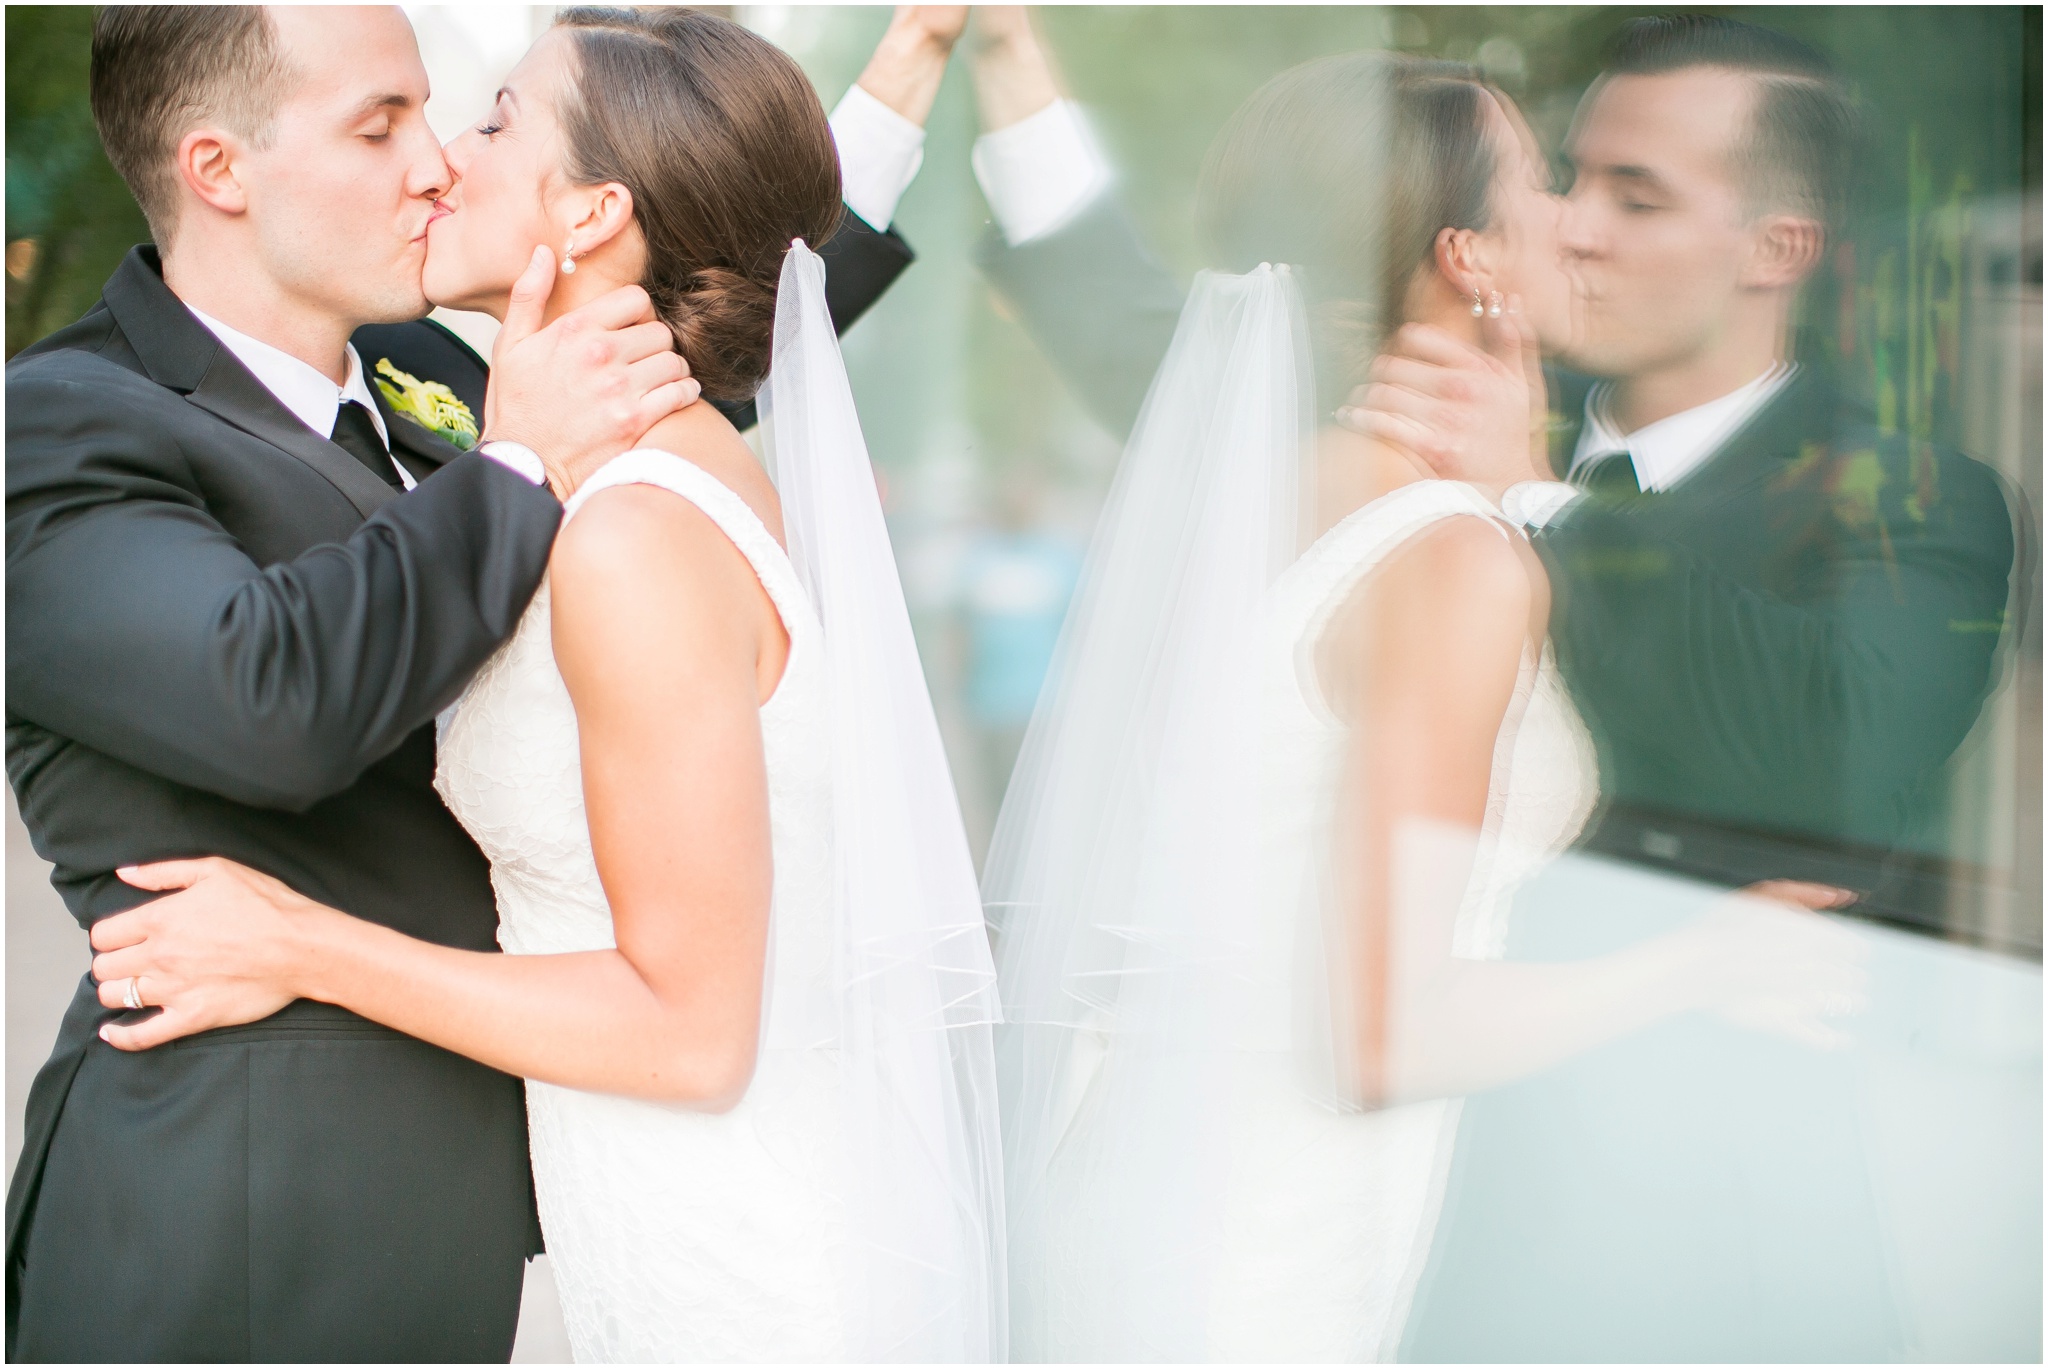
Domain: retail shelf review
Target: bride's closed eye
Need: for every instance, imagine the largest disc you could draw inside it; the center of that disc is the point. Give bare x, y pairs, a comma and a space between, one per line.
488, 129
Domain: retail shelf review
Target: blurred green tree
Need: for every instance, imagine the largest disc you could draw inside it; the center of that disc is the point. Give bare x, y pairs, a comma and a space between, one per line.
69, 217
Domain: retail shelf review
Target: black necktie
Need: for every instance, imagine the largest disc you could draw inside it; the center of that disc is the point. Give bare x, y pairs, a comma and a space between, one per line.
1614, 473
355, 432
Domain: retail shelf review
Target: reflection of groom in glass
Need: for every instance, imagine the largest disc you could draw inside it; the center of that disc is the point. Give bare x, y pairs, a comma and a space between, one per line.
1779, 621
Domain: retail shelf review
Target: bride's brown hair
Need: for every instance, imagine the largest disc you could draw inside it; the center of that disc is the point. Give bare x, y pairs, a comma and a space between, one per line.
1347, 168
721, 139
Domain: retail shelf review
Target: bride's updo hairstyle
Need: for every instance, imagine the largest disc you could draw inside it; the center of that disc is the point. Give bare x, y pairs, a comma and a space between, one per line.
1347, 168
721, 139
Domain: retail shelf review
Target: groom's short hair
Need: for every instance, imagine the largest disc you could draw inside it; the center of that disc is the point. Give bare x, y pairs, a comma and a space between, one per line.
1802, 131
159, 71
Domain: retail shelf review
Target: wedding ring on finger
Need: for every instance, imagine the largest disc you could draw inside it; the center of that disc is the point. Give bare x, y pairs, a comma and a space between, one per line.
131, 993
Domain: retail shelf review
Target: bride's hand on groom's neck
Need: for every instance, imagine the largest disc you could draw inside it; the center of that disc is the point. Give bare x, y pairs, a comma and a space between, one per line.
586, 387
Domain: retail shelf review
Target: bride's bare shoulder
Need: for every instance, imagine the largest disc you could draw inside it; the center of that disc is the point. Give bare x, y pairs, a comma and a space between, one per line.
640, 574
638, 554
1455, 602
630, 540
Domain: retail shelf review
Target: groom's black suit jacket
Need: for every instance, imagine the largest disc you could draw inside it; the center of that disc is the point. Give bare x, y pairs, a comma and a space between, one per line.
1779, 654
226, 636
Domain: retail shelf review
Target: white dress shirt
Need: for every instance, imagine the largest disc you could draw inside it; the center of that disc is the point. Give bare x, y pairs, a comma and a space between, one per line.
1040, 172
311, 397
1667, 451
1662, 453
880, 152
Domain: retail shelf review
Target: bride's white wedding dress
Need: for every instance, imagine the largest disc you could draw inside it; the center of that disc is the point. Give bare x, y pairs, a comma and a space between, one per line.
1314, 1222
675, 1235
1328, 1216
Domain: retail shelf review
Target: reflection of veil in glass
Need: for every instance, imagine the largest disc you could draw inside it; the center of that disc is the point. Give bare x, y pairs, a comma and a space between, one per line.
915, 990
1123, 875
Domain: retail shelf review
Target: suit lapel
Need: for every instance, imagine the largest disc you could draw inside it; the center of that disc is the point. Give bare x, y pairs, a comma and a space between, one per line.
180, 353
230, 393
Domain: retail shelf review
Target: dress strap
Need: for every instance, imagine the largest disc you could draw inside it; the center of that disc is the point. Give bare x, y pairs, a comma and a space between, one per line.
718, 502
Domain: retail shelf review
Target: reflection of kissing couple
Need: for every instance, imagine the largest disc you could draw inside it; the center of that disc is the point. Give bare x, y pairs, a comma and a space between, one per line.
1771, 676
685, 769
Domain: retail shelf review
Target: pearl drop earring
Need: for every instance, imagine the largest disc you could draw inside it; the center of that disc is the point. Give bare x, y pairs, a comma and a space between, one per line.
1477, 307
1493, 303
569, 260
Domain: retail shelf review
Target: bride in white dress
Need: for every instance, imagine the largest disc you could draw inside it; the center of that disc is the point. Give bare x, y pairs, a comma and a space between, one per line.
1304, 740
748, 982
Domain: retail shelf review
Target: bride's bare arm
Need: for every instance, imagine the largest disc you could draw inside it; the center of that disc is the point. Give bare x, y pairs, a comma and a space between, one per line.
1423, 661
667, 643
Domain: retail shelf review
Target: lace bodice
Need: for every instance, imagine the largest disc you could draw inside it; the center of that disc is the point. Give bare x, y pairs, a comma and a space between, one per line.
673, 1234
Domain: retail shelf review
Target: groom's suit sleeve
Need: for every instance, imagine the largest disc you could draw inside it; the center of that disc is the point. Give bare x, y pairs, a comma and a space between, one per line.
1100, 306
860, 266
138, 626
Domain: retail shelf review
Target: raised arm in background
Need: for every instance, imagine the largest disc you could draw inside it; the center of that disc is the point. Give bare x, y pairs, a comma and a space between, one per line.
1064, 253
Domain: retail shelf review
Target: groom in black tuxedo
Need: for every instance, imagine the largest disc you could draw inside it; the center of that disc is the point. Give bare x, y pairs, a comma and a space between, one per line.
231, 620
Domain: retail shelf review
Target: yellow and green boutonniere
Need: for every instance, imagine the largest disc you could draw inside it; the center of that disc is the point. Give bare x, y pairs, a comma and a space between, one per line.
432, 406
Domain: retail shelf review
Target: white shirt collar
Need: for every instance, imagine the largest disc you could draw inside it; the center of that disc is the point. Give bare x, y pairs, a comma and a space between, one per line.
1667, 451
310, 397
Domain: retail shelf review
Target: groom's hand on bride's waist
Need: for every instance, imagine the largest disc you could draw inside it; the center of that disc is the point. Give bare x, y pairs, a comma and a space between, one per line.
222, 947
586, 387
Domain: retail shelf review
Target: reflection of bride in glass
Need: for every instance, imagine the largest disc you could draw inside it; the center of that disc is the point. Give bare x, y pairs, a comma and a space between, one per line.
1303, 740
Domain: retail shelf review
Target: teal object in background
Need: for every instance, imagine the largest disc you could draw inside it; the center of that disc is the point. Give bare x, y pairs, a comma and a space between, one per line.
1014, 589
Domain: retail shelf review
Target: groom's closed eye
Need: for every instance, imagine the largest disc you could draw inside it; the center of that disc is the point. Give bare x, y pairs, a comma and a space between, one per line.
373, 115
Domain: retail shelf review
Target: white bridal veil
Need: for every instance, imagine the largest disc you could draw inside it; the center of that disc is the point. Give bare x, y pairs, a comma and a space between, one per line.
915, 987
1123, 873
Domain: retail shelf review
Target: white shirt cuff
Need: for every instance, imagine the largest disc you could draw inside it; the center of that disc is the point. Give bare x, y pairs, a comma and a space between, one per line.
1533, 503
1040, 172
879, 154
